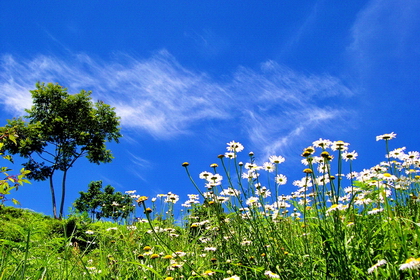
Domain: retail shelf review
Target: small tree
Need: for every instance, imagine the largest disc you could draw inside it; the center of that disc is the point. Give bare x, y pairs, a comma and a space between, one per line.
90, 201
60, 129
104, 204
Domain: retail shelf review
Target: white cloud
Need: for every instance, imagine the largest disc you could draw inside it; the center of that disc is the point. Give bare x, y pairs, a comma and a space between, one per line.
274, 104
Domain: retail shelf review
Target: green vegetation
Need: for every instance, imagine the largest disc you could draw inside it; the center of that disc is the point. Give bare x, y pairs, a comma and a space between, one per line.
338, 224
61, 128
104, 204
9, 181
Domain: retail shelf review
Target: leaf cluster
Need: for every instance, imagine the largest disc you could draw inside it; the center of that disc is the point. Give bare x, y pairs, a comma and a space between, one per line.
10, 182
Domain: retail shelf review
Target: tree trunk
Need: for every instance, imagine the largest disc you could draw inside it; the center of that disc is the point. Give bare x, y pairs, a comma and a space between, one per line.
54, 205
63, 193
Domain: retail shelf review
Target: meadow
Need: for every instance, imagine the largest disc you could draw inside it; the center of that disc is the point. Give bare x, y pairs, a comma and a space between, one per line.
237, 225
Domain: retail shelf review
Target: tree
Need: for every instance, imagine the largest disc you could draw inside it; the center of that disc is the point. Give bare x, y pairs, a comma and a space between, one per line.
104, 204
90, 201
59, 129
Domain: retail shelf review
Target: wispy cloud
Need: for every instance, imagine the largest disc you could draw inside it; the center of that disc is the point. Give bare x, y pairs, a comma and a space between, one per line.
208, 44
384, 37
274, 105
301, 29
137, 164
285, 107
138, 161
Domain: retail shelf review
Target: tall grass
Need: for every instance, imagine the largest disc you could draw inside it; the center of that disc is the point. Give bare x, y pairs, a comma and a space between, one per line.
360, 225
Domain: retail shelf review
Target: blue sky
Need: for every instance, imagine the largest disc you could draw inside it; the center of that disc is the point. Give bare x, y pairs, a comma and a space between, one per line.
187, 77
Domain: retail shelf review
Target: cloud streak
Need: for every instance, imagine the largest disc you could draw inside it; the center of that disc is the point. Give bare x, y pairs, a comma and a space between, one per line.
273, 104
384, 38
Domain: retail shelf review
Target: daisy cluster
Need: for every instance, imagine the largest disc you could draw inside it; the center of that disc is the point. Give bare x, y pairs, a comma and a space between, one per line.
323, 184
233, 193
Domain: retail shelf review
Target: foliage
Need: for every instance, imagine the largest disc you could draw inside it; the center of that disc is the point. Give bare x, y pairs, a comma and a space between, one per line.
104, 204
15, 223
10, 182
61, 128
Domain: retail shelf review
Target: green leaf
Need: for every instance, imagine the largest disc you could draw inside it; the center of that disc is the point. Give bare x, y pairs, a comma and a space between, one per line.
9, 158
12, 138
15, 202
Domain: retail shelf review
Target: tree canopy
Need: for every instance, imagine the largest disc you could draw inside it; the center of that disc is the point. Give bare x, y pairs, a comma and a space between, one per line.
60, 128
104, 204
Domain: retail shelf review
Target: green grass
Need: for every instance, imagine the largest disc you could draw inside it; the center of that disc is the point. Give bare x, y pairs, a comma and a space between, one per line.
331, 227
